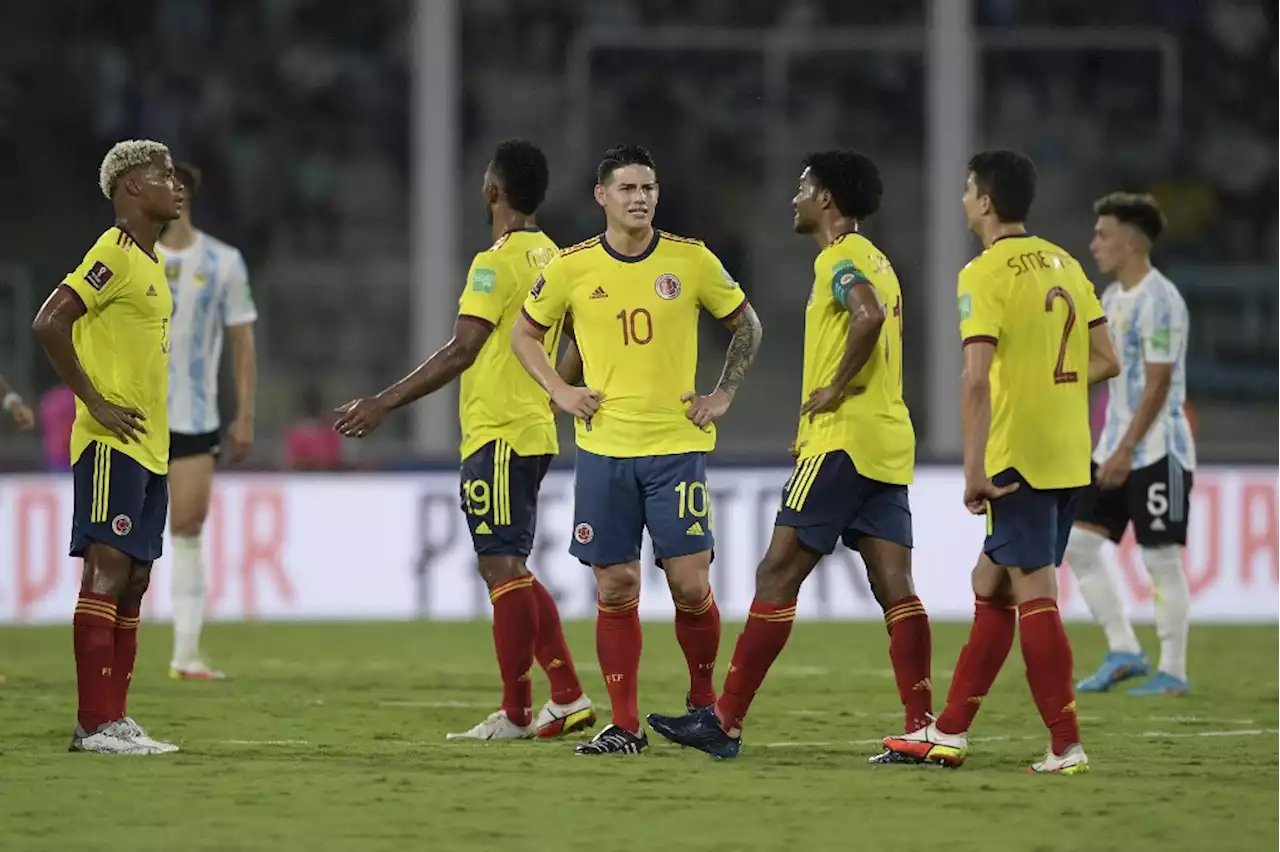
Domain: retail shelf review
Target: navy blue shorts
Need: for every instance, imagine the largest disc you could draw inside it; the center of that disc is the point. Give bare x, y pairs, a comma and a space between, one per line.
1028, 529
119, 503
614, 500
500, 498
826, 500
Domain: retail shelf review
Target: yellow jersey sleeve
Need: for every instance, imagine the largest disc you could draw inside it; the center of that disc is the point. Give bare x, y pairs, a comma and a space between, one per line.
547, 302
718, 293
981, 306
1091, 311
100, 276
488, 289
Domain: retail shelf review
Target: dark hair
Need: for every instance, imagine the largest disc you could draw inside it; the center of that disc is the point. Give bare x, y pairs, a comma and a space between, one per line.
522, 168
1009, 179
852, 179
623, 155
1136, 209
190, 176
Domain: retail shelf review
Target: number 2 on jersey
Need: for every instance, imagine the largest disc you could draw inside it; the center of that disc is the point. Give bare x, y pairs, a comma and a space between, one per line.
1061, 376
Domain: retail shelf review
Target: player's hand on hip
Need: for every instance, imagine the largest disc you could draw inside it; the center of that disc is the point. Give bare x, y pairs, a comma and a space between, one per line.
125, 423
239, 439
359, 417
978, 492
23, 416
582, 403
1115, 470
705, 410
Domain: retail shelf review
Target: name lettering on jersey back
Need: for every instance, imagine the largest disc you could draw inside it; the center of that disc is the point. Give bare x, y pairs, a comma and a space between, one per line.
1036, 260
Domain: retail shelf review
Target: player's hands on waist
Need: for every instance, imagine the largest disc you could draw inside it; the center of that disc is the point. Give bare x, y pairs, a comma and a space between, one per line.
123, 421
582, 403
1115, 470
359, 417
240, 438
705, 410
979, 490
825, 399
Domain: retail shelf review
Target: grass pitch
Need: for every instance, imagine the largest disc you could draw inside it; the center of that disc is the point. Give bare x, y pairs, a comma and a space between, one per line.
331, 737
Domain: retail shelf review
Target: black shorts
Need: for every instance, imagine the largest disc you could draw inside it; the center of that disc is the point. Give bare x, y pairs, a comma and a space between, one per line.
1155, 499
1028, 528
500, 498
119, 503
826, 500
182, 445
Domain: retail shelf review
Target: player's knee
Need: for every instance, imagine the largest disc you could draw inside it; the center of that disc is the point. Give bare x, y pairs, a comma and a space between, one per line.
689, 585
496, 570
990, 580
1083, 543
1030, 585
139, 582
186, 524
107, 571
618, 583
890, 584
778, 578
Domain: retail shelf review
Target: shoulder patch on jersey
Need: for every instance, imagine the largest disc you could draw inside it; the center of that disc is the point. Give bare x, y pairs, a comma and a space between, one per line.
482, 280
1161, 340
728, 279
965, 304
537, 288
585, 244
98, 275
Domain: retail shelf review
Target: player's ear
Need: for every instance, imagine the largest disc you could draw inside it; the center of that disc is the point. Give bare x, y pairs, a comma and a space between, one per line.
600, 195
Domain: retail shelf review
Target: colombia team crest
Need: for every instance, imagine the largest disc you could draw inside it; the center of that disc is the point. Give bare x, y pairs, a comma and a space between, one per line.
121, 525
667, 286
584, 533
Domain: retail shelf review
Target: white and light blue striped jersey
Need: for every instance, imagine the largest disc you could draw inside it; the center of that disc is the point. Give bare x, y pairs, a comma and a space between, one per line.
210, 292
1149, 324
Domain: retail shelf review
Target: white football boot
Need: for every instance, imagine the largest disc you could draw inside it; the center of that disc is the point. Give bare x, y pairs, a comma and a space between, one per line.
556, 720
1073, 761
110, 738
496, 727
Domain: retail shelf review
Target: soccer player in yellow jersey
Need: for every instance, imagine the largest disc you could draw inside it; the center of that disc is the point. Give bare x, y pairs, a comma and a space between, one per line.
106, 332
1035, 339
508, 442
643, 432
855, 456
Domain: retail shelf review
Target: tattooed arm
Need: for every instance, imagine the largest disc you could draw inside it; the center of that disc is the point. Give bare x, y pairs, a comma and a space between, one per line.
745, 326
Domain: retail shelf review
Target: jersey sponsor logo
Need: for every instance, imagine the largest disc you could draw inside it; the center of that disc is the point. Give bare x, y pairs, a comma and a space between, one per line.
667, 286
482, 280
583, 533
599, 293
121, 525
98, 276
966, 306
537, 287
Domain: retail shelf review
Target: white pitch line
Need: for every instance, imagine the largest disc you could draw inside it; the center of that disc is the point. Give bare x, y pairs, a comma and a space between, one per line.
436, 705
265, 742
1199, 720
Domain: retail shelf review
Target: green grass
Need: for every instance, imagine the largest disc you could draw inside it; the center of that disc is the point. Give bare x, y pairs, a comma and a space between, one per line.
331, 737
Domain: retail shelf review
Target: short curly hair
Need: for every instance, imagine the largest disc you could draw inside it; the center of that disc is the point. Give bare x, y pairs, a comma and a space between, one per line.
522, 168
123, 156
852, 179
1137, 210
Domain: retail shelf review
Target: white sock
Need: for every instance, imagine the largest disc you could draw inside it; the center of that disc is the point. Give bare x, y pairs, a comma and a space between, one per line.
1173, 606
1084, 553
188, 599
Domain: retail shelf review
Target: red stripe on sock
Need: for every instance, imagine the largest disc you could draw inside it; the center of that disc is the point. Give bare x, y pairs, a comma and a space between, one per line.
1047, 653
94, 641
762, 640
981, 659
515, 626
552, 651
698, 632
618, 645
911, 652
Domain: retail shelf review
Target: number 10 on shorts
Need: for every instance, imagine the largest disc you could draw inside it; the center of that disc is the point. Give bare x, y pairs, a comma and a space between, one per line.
694, 500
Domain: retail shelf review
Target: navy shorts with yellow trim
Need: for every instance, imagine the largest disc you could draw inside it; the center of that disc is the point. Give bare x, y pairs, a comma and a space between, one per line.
499, 491
826, 500
119, 503
1028, 528
616, 499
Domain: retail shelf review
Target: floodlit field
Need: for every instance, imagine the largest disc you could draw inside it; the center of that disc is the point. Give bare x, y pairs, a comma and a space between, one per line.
332, 737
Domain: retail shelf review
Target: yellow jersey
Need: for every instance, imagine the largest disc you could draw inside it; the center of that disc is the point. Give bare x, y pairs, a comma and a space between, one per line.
636, 323
498, 399
122, 342
1033, 301
872, 424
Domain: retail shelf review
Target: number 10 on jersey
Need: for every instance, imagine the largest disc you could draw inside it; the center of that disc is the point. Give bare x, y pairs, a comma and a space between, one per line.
637, 326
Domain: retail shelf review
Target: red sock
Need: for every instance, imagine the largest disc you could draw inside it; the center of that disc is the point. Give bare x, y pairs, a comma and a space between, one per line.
127, 619
1047, 653
552, 651
515, 624
762, 640
981, 659
618, 643
94, 638
698, 632
911, 652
